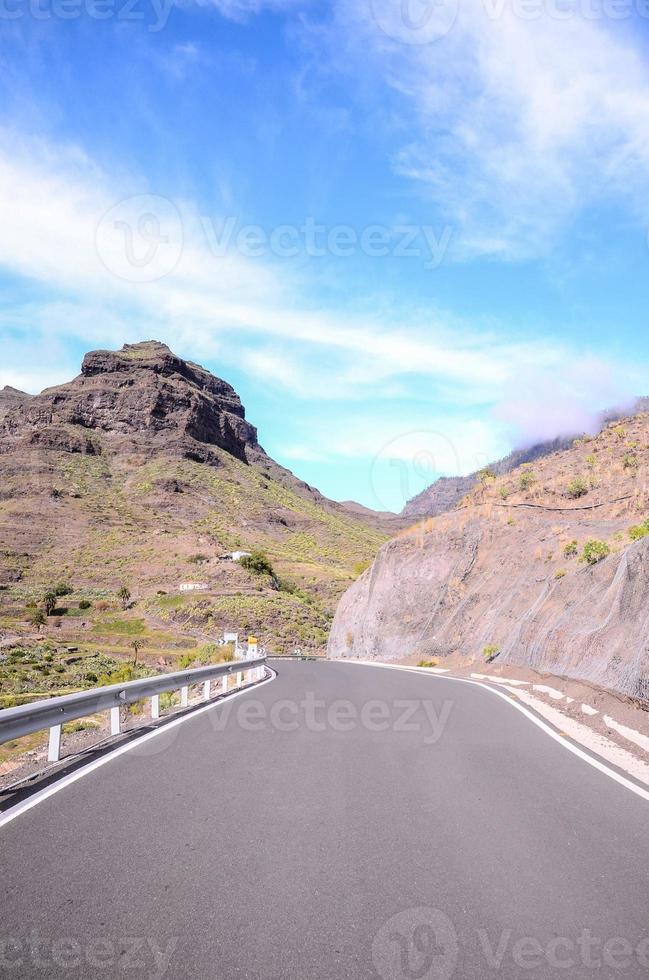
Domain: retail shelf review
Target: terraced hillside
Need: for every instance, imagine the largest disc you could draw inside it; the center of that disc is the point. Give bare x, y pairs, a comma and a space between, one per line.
139, 475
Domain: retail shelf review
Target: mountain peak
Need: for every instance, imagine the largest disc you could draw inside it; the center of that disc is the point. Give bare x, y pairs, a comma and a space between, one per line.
142, 396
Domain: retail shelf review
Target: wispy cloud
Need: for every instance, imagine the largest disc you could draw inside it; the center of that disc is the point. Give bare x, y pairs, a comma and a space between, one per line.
92, 287
67, 226
517, 123
240, 10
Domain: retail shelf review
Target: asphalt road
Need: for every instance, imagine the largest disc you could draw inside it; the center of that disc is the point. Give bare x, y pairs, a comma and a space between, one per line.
341, 821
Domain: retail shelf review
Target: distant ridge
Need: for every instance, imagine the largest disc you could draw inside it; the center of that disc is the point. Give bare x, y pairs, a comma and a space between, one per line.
447, 491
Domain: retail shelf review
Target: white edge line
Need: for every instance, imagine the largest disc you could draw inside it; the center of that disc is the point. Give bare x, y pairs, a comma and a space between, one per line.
561, 739
15, 811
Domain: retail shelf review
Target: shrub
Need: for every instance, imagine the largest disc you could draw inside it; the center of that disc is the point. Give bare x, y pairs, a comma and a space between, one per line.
526, 479
258, 563
84, 604
620, 432
490, 652
591, 460
639, 530
63, 588
102, 605
36, 618
198, 559
594, 551
427, 663
560, 573
577, 488
571, 549
630, 461
486, 475
504, 492
360, 567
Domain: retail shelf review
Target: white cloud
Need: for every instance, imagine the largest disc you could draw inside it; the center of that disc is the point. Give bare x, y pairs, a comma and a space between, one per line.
237, 311
240, 10
517, 124
578, 393
51, 215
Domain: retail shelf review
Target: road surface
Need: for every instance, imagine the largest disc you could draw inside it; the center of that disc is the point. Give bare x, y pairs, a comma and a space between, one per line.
339, 822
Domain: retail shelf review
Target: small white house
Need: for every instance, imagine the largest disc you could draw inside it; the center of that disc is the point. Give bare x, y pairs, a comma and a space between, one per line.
193, 587
233, 555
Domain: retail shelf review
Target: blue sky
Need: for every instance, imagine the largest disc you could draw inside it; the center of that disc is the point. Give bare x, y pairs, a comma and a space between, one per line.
413, 235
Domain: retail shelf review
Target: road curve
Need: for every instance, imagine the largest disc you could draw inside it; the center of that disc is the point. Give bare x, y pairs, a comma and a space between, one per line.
340, 822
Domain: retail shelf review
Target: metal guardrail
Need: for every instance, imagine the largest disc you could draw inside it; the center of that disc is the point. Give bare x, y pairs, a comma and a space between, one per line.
25, 719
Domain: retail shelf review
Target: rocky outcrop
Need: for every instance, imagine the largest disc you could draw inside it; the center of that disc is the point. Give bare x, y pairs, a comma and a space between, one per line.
507, 570
145, 402
143, 391
10, 398
591, 625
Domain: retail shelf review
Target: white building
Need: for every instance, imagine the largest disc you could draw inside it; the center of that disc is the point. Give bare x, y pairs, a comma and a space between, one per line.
193, 587
234, 555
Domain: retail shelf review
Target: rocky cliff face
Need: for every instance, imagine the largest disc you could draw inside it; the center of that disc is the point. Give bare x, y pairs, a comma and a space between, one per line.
507, 569
142, 391
10, 398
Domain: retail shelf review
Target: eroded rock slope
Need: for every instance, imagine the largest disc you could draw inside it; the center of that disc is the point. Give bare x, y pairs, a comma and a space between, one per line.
545, 564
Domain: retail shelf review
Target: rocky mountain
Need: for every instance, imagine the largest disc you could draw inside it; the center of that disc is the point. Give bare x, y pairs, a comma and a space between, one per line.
142, 472
10, 398
447, 491
545, 565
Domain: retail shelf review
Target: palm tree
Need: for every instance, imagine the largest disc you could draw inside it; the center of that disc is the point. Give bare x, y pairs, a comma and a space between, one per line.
124, 596
136, 647
49, 603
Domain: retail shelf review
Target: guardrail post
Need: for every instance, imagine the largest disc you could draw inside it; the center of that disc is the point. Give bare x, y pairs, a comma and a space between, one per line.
206, 690
54, 747
184, 697
155, 706
115, 727
239, 678
224, 684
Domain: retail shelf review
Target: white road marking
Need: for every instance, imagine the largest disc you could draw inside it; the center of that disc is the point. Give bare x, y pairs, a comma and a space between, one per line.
629, 733
500, 680
552, 691
8, 815
587, 710
562, 721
